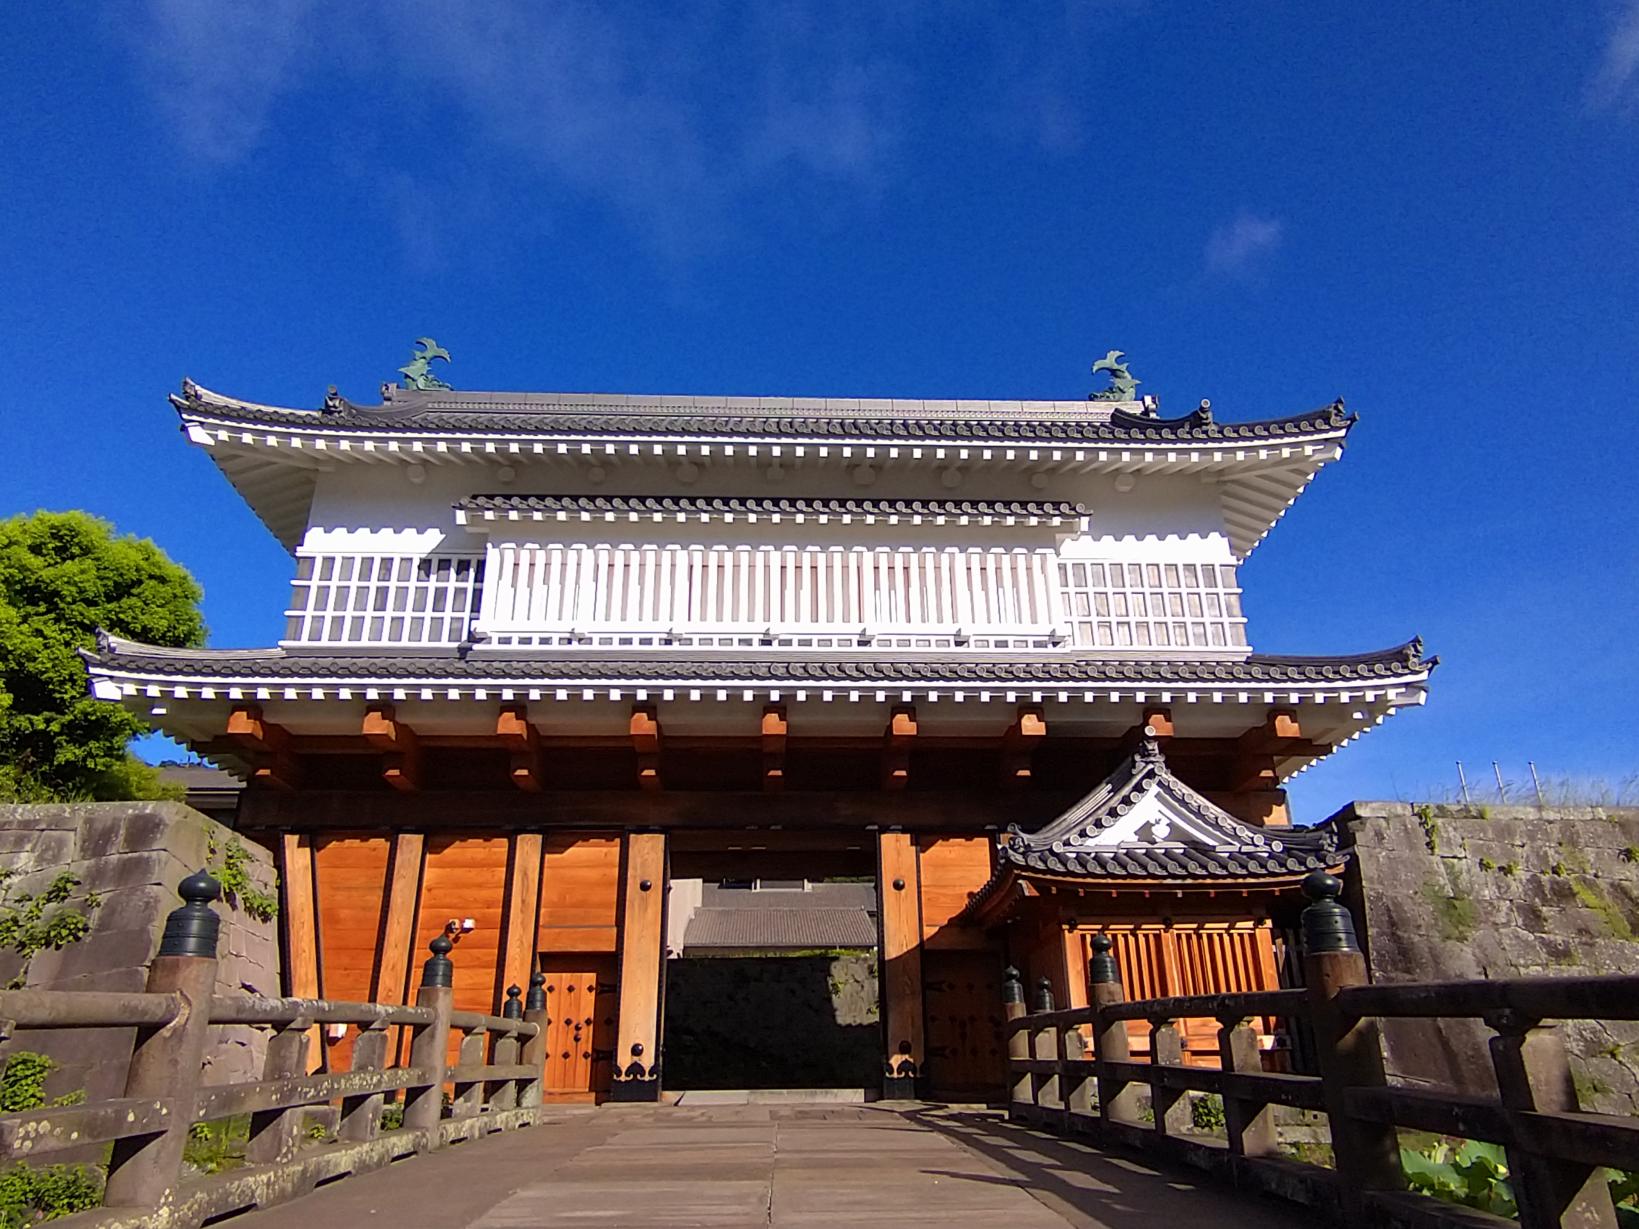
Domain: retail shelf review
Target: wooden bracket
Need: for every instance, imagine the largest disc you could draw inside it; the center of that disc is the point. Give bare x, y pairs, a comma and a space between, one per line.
896, 748
265, 746
523, 741
775, 727
645, 732
1157, 724
401, 765
1019, 744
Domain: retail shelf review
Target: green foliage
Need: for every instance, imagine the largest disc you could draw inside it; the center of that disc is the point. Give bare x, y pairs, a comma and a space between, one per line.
29, 1195
1206, 1113
1630, 854
1430, 826
392, 1116
1456, 914
35, 922
1486, 864
1468, 1172
64, 575
1511, 867
229, 866
212, 1147
1589, 894
1624, 1186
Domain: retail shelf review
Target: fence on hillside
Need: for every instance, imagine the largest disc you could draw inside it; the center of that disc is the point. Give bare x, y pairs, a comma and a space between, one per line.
495, 1082
1556, 1152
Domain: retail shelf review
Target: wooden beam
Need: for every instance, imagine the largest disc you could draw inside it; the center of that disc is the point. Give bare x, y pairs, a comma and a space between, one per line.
642, 968
645, 733
398, 932
896, 748
301, 929
401, 765
1159, 721
1279, 735
1019, 744
523, 741
775, 728
523, 899
899, 893
265, 746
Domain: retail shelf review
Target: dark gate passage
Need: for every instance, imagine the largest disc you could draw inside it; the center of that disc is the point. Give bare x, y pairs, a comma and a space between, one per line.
774, 1021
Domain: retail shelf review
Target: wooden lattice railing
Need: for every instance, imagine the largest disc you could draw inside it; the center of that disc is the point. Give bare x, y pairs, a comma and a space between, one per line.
495, 1083
1556, 1152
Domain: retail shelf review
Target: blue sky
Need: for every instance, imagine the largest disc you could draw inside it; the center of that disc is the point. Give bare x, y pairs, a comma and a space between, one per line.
1427, 209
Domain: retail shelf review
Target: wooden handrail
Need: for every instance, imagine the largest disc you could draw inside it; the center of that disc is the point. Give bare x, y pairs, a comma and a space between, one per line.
87, 1009
497, 1079
1555, 1150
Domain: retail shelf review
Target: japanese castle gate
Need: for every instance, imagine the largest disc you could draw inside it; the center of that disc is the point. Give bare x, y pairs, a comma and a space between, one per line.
546, 652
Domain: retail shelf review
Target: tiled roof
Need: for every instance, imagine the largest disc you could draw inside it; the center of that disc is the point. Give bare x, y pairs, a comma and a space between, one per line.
731, 505
124, 656
1143, 823
573, 414
785, 927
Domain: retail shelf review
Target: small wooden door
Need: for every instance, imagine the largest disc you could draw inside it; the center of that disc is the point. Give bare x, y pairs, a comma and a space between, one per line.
966, 1047
580, 1030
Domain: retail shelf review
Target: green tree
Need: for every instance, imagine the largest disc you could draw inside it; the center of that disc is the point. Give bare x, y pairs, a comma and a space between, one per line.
63, 575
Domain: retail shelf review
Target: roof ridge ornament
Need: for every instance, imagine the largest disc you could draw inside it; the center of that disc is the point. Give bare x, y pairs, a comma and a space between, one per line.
417, 372
1123, 385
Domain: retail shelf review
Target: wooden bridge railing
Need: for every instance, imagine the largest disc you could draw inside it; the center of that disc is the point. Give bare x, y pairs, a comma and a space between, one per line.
1556, 1152
496, 1081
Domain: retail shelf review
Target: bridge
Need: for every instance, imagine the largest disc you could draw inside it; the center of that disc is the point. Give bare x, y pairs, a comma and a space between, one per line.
1089, 1136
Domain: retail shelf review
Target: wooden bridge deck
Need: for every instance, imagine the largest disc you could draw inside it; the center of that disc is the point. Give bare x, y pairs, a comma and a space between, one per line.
796, 1165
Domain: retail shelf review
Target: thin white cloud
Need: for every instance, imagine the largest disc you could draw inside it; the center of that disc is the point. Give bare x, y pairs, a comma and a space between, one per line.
214, 70
1613, 84
1242, 246
688, 121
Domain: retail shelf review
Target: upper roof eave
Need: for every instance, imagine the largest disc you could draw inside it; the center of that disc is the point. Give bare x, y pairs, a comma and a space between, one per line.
573, 416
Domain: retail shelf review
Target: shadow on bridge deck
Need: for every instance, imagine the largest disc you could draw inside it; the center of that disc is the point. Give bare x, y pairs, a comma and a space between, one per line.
783, 1165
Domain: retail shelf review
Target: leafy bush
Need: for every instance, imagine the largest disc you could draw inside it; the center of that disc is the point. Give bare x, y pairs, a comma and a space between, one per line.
40, 921
1207, 1113
215, 1146
1468, 1172
392, 1116
23, 1084
229, 866
29, 1195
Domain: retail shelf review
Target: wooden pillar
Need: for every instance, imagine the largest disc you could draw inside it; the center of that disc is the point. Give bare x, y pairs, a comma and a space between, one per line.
522, 905
899, 895
642, 969
301, 929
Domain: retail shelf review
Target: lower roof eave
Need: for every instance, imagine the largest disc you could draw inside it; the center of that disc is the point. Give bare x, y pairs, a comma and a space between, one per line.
995, 902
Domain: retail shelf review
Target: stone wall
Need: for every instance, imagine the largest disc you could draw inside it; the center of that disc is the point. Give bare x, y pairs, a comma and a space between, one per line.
1499, 891
133, 854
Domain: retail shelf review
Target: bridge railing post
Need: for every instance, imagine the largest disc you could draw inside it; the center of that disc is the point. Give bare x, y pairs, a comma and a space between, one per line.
1249, 1124
430, 1042
276, 1134
361, 1115
1117, 1098
1169, 1105
503, 1094
530, 1093
1021, 1086
467, 1099
144, 1171
1044, 1045
1348, 1049
1534, 1075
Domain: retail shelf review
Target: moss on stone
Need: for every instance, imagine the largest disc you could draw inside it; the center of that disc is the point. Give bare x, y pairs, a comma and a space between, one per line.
1592, 897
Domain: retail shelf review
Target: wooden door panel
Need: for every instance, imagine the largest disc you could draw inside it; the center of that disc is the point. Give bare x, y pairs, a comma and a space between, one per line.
966, 1046
580, 1031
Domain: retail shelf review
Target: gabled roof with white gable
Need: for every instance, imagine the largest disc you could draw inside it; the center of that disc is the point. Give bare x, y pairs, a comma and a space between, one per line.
1143, 822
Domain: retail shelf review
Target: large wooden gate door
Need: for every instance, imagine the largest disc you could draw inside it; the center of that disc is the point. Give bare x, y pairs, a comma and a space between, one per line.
966, 1047
580, 1033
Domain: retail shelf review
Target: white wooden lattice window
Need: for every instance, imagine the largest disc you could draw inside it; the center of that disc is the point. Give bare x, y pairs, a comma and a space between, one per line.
1152, 605
658, 594
383, 599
